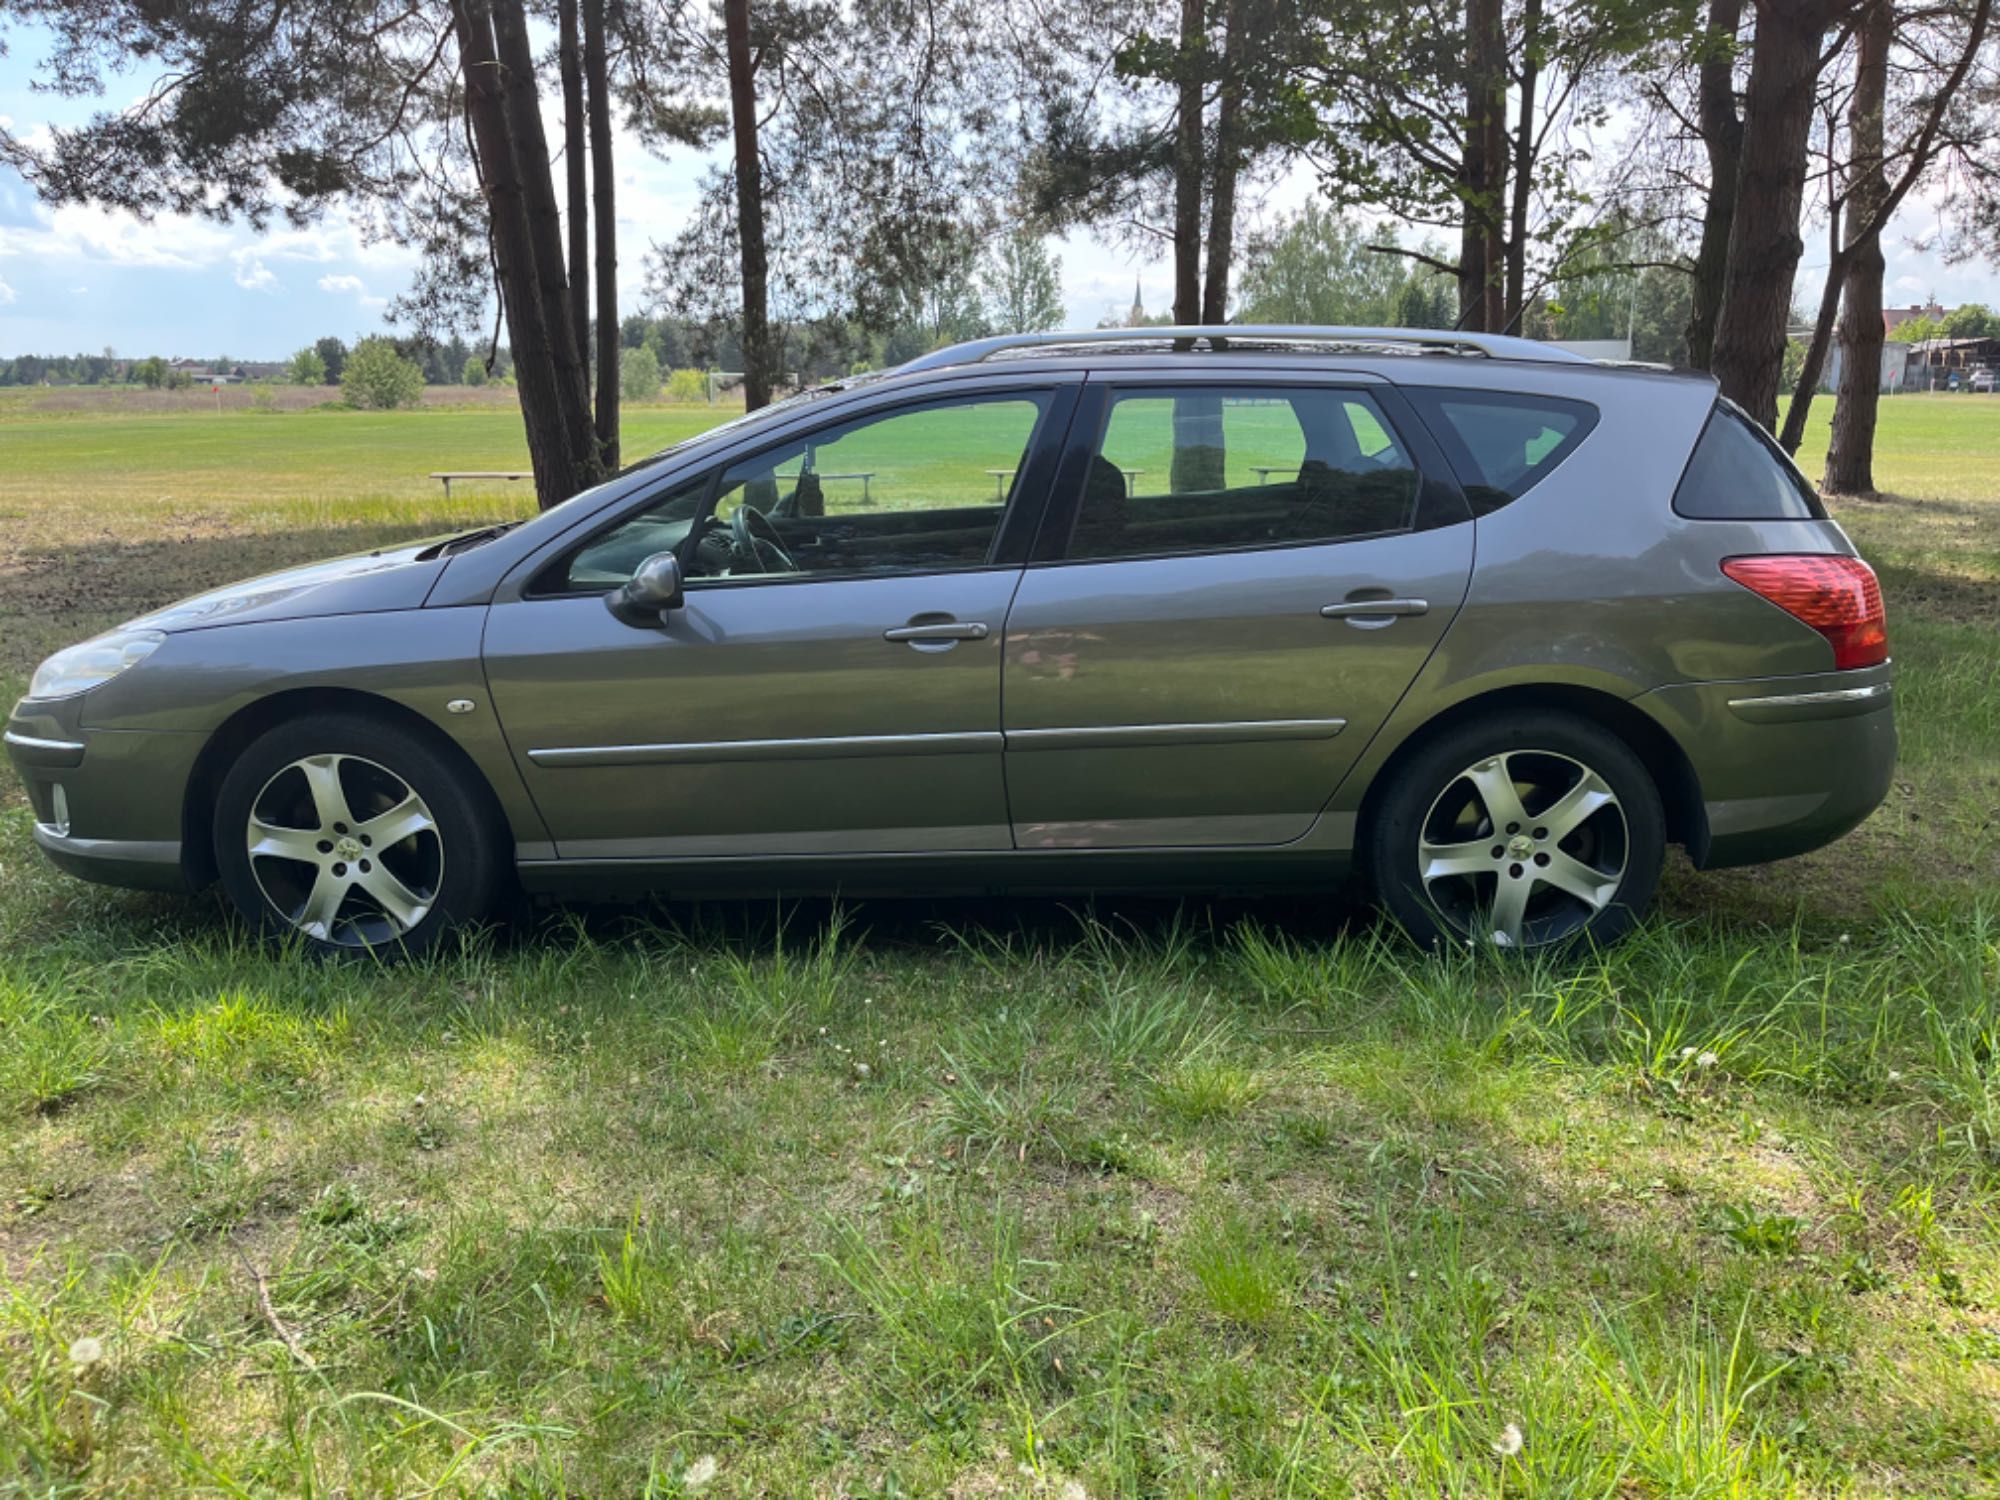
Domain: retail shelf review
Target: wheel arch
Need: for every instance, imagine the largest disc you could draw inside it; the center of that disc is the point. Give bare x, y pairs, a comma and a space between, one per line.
1673, 774
236, 733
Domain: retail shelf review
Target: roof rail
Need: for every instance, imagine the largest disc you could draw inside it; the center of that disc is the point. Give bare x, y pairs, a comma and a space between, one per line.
1492, 345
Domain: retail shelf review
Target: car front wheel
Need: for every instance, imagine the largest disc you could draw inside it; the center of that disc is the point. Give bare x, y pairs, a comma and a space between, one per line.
1528, 831
355, 835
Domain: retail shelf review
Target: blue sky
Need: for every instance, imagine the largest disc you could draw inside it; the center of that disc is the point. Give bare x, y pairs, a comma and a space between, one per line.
80, 279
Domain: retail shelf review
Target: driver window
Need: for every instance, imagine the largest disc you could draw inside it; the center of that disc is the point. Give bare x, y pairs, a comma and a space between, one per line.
914, 490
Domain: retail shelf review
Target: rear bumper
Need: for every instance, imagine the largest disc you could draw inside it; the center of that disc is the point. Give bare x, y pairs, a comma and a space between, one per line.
1784, 764
108, 803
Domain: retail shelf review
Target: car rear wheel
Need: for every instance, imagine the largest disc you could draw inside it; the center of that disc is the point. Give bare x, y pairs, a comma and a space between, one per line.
355, 836
1524, 831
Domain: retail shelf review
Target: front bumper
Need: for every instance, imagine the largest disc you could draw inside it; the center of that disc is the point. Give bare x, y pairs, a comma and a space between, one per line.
1784, 764
108, 803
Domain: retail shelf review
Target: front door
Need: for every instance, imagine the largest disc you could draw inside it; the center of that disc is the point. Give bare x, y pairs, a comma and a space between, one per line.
1249, 579
832, 683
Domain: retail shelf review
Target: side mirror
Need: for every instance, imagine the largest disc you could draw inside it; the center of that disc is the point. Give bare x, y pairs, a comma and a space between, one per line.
652, 590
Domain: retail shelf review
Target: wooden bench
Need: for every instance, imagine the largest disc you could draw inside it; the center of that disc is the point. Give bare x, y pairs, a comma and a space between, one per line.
448, 475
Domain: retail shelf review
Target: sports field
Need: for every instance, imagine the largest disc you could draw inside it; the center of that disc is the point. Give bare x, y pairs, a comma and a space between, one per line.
993, 1198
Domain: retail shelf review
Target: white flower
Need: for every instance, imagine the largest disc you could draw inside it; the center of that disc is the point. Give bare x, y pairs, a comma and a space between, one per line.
1707, 1060
1686, 1053
86, 1351
1895, 1076
1509, 1441
1843, 939
702, 1471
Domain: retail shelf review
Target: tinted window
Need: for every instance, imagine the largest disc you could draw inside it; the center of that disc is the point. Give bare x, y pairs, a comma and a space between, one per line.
1503, 445
1738, 474
1195, 470
913, 490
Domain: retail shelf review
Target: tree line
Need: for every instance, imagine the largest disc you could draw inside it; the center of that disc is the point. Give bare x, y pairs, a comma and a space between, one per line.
883, 165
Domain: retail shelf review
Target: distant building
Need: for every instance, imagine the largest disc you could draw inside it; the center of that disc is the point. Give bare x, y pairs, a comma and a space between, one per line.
1136, 318
1895, 317
1894, 371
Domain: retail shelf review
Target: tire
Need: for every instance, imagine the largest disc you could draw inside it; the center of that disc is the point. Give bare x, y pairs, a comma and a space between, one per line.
1574, 859
366, 839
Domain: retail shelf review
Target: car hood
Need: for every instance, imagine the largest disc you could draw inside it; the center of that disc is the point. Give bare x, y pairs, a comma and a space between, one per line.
388, 578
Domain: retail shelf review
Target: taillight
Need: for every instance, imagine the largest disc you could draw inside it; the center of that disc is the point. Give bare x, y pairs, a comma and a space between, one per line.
1837, 596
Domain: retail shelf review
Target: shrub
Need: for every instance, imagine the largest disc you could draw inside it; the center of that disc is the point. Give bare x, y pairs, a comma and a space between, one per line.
378, 378
687, 385
474, 372
306, 368
638, 375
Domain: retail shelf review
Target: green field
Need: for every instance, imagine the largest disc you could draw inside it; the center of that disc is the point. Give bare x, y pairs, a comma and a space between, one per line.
994, 1198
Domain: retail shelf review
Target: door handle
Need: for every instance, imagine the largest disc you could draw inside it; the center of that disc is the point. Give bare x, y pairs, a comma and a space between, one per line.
943, 630
1358, 611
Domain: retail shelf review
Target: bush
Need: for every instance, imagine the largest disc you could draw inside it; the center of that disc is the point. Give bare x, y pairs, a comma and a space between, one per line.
638, 375
306, 368
474, 372
377, 378
687, 385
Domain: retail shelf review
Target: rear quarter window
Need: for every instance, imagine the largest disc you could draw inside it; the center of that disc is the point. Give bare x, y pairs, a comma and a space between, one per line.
1738, 474
1502, 444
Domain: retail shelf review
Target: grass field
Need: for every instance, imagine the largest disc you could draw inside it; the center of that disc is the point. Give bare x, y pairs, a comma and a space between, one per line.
995, 1199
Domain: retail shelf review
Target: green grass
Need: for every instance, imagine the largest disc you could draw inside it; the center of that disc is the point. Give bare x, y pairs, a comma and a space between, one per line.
1001, 1198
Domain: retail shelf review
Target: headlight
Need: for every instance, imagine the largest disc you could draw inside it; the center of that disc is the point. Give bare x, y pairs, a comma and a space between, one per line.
81, 668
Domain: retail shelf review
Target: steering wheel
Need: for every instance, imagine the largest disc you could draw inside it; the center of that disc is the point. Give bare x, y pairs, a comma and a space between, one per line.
757, 539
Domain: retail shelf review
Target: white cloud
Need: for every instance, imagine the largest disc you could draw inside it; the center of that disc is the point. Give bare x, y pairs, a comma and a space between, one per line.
253, 275
7, 293
78, 291
352, 286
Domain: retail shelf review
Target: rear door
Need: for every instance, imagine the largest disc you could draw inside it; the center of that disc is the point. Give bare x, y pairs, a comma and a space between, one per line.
1238, 579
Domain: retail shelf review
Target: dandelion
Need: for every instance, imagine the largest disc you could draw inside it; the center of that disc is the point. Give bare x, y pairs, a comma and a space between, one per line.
1895, 1075
1686, 1053
1509, 1441
1843, 940
1707, 1060
702, 1471
86, 1351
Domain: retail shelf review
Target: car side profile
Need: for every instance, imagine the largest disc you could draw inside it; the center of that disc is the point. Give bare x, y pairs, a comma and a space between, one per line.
1487, 624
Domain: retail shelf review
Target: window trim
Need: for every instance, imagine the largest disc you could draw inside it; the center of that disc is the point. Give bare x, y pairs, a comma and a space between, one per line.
1429, 404
1438, 501
1020, 514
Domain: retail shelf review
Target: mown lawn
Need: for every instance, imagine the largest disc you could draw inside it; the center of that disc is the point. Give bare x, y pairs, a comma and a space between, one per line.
1001, 1198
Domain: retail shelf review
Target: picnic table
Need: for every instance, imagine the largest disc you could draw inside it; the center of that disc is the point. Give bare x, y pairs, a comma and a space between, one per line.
448, 475
1001, 476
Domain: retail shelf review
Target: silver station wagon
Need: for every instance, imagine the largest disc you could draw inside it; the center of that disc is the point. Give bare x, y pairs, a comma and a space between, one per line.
1201, 609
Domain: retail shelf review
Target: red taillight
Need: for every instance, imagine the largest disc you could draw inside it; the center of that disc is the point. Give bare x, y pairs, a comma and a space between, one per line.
1837, 596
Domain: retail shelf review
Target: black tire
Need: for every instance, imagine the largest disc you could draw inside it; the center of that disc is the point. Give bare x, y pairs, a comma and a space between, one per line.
445, 874
1479, 871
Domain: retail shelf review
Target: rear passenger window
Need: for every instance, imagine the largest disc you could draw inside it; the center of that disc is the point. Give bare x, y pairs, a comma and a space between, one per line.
1502, 445
1203, 470
1738, 474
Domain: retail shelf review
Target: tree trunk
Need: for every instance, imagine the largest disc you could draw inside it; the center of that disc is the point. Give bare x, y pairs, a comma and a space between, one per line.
1483, 170
577, 219
1722, 137
523, 104
1850, 457
1188, 167
557, 475
757, 381
1764, 243
1228, 163
1524, 150
597, 72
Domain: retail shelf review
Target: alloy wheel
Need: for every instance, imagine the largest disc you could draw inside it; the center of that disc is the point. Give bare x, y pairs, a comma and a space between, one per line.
345, 850
1523, 848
